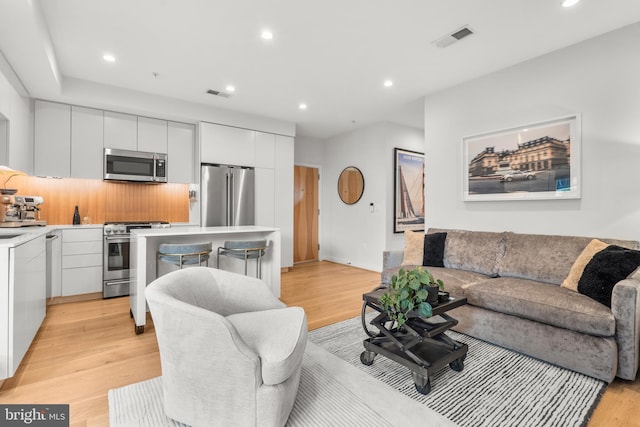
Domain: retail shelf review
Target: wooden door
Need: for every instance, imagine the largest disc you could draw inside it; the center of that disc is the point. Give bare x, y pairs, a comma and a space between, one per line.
305, 214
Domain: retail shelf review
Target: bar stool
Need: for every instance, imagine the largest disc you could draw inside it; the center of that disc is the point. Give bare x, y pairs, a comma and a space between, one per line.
244, 249
181, 254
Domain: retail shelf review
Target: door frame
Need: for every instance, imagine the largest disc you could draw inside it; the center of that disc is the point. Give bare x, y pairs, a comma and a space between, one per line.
320, 175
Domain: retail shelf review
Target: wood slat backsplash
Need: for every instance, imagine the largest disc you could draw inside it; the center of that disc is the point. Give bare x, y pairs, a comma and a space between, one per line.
105, 201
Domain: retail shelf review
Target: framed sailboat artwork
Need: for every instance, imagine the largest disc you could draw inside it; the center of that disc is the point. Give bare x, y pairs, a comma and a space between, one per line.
408, 206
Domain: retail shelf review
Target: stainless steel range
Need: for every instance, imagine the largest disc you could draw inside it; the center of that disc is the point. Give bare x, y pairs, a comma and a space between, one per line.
116, 274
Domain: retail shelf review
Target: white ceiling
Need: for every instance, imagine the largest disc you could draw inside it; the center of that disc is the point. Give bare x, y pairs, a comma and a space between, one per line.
332, 55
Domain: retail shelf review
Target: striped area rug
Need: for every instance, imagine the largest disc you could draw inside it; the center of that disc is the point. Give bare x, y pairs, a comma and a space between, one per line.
497, 387
320, 401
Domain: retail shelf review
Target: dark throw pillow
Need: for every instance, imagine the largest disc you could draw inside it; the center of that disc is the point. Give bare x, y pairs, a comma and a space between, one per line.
606, 268
434, 249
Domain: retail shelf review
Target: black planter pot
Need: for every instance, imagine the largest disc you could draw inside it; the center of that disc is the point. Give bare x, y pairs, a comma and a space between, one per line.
433, 294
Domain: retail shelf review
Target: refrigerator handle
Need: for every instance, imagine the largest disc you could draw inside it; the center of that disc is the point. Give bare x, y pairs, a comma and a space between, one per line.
230, 202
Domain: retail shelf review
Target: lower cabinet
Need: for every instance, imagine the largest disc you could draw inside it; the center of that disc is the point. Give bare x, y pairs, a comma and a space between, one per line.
81, 261
22, 301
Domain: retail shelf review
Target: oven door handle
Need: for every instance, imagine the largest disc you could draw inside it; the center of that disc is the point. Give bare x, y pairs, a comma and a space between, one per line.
122, 239
116, 282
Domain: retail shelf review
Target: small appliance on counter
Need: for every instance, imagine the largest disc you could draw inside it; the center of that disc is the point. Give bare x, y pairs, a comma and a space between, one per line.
21, 211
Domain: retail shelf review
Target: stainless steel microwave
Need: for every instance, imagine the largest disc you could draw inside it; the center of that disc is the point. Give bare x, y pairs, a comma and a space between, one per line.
127, 165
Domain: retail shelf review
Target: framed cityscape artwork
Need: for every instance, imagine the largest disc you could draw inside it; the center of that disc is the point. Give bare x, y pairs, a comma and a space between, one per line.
533, 162
408, 206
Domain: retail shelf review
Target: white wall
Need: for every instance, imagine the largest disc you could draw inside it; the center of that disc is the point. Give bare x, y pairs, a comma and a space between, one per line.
597, 79
353, 234
308, 151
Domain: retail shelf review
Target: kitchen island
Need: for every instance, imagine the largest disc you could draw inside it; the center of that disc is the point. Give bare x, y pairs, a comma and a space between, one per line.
144, 249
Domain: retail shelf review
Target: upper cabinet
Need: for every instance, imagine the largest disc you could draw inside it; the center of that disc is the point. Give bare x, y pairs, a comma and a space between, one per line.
152, 135
227, 145
70, 141
52, 138
120, 131
86, 142
265, 150
181, 140
4, 141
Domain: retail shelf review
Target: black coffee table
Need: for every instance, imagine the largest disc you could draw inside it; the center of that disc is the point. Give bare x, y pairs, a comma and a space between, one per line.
420, 344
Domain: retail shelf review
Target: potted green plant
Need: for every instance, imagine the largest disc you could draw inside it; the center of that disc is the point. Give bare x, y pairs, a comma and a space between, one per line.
410, 290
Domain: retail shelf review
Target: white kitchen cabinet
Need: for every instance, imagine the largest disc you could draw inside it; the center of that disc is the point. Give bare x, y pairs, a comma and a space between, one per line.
227, 145
24, 301
284, 196
52, 138
265, 197
4, 141
81, 261
265, 150
181, 143
152, 135
120, 131
87, 142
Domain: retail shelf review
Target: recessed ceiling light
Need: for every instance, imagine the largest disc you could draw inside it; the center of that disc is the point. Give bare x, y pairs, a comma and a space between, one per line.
267, 35
302, 106
230, 88
388, 83
569, 3
108, 57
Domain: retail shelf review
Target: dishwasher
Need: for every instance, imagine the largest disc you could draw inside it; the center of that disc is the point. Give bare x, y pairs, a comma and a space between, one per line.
54, 252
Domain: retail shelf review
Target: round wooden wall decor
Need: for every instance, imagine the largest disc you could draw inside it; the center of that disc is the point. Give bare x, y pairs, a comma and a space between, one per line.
350, 185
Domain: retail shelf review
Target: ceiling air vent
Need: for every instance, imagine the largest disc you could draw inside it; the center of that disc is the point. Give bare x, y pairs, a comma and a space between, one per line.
218, 93
456, 35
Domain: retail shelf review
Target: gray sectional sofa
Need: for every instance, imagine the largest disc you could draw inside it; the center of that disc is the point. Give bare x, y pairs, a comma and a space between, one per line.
511, 282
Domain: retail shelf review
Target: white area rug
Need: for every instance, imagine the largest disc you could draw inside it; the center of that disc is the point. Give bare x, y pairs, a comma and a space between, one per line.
497, 387
331, 393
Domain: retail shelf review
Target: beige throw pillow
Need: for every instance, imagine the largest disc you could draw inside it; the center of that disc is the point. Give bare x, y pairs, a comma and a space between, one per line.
413, 248
594, 246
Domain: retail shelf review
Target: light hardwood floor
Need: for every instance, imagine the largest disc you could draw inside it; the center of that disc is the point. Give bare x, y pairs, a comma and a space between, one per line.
83, 349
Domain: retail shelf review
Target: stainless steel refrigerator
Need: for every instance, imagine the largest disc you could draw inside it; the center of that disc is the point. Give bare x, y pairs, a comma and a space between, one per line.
228, 195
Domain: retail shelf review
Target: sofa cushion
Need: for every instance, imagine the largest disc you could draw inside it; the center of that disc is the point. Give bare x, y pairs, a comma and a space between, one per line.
413, 248
605, 269
544, 258
434, 249
571, 281
456, 281
542, 302
477, 251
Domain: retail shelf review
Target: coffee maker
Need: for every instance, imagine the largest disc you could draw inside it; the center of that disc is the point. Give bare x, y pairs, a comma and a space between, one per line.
21, 211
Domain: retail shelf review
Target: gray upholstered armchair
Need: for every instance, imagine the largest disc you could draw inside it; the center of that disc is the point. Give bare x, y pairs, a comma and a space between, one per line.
230, 351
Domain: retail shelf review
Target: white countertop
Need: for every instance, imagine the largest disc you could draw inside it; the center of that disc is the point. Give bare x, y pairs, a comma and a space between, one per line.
22, 235
25, 234
196, 230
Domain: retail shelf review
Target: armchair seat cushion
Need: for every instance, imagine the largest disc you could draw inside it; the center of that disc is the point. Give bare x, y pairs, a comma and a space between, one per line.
278, 337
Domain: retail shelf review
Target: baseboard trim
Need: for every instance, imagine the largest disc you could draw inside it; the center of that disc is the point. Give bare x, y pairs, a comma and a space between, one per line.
75, 298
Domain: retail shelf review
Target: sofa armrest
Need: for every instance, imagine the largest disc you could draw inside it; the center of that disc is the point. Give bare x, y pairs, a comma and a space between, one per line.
625, 306
391, 259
